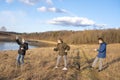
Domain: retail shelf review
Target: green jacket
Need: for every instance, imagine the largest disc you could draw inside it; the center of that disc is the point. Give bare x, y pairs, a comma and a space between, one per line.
61, 48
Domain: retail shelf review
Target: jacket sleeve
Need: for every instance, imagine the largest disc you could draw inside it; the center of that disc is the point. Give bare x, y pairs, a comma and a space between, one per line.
67, 47
18, 42
102, 48
26, 46
56, 48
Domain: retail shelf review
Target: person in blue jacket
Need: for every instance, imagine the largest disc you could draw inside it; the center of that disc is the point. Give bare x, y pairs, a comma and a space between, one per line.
101, 54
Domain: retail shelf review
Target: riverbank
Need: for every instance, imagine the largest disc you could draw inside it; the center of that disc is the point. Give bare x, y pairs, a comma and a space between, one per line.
40, 63
40, 43
6, 39
37, 43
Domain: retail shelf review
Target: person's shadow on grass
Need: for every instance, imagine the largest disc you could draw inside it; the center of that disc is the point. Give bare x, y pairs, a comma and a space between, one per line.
105, 66
89, 62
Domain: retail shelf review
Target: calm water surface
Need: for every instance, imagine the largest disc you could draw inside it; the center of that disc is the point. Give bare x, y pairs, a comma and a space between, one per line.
11, 46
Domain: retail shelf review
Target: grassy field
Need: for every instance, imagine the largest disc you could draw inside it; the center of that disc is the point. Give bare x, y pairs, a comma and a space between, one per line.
40, 63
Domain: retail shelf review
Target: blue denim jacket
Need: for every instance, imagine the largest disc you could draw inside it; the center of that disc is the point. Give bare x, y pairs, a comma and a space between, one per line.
102, 50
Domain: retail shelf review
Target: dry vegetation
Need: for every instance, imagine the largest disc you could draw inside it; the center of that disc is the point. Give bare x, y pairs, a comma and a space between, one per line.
7, 36
39, 65
78, 37
40, 62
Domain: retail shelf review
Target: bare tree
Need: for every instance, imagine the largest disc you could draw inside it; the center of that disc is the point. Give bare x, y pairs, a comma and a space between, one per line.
3, 28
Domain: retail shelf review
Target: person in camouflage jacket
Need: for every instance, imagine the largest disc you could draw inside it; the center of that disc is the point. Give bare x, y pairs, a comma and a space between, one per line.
62, 49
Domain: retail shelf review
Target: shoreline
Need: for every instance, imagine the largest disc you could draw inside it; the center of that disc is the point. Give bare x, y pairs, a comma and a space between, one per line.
45, 44
31, 42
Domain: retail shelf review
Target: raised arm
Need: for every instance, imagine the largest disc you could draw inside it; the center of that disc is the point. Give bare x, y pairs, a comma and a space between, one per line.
18, 41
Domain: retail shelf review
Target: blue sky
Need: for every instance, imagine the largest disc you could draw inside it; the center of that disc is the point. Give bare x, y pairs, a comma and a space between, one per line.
51, 15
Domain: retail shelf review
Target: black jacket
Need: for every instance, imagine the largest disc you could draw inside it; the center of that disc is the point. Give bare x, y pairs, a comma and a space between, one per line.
23, 47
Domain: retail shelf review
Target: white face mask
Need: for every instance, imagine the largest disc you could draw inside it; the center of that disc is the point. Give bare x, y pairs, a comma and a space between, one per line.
59, 41
23, 41
100, 41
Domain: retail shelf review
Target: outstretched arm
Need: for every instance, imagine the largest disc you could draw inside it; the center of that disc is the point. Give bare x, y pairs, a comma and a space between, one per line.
56, 48
18, 41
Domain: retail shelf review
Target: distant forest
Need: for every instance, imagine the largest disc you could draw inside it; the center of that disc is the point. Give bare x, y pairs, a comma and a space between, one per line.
78, 37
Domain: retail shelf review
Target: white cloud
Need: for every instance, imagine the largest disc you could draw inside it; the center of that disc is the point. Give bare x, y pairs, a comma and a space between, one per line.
33, 2
9, 1
42, 9
49, 2
30, 2
72, 21
51, 9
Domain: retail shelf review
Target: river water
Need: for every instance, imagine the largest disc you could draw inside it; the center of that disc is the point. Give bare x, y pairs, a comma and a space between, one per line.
11, 46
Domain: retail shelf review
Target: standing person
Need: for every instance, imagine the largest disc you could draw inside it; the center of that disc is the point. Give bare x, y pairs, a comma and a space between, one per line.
62, 49
23, 46
101, 54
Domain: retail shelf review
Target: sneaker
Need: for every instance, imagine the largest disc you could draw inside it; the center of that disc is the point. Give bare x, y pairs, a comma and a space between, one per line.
56, 67
64, 69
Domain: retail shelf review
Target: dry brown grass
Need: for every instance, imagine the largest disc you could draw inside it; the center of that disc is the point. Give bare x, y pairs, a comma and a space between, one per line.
39, 65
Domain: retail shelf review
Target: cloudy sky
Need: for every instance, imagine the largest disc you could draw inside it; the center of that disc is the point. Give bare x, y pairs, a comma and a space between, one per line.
51, 15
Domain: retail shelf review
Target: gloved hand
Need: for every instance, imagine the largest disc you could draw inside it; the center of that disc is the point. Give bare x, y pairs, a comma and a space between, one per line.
55, 49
